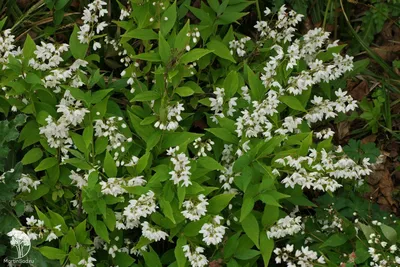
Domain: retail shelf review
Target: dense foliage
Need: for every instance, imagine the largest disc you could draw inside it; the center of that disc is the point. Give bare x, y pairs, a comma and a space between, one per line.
203, 146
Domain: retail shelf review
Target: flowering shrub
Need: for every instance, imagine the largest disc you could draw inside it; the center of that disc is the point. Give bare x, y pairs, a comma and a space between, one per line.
199, 149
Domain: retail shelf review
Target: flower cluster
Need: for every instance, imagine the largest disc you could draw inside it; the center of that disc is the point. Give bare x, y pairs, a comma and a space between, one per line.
195, 209
26, 183
381, 252
152, 233
239, 46
173, 118
181, 172
326, 168
57, 132
303, 257
7, 46
138, 208
196, 258
203, 146
213, 232
48, 56
288, 225
91, 22
110, 130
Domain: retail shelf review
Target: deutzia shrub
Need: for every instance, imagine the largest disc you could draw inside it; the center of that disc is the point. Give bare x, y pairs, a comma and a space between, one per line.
204, 146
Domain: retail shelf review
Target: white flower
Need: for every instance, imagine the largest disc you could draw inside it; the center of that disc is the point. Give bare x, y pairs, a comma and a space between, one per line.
26, 183
285, 226
213, 233
194, 210
196, 258
181, 171
138, 208
152, 233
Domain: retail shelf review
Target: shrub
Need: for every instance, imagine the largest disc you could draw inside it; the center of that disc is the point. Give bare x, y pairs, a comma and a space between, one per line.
200, 150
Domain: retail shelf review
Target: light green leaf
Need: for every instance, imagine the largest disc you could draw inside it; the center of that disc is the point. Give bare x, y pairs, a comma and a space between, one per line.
32, 156
77, 49
218, 203
46, 164
110, 167
52, 253
292, 102
184, 91
194, 55
221, 50
252, 229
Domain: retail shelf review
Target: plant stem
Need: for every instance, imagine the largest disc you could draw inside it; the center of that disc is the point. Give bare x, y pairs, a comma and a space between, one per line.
258, 10
326, 14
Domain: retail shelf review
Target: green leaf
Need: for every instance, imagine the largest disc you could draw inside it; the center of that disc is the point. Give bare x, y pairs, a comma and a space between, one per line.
182, 39
80, 232
230, 17
292, 102
221, 50
231, 84
122, 259
109, 166
46, 164
142, 163
29, 48
252, 229
151, 57
184, 91
142, 34
71, 238
163, 48
52, 253
32, 156
57, 219
101, 229
79, 163
110, 219
77, 49
223, 134
146, 96
210, 163
218, 203
334, 240
167, 209
266, 248
367, 230
257, 89
171, 15
193, 55
247, 207
389, 233
178, 251
151, 258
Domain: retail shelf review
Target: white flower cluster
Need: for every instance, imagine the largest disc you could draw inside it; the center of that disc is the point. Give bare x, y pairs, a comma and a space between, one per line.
325, 109
306, 48
195, 209
203, 146
122, 52
213, 232
58, 76
255, 122
195, 34
239, 46
381, 253
173, 118
325, 134
227, 176
78, 180
152, 233
48, 56
138, 208
181, 172
332, 223
327, 168
196, 258
288, 225
57, 132
115, 186
217, 103
91, 21
26, 183
7, 46
303, 257
109, 129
